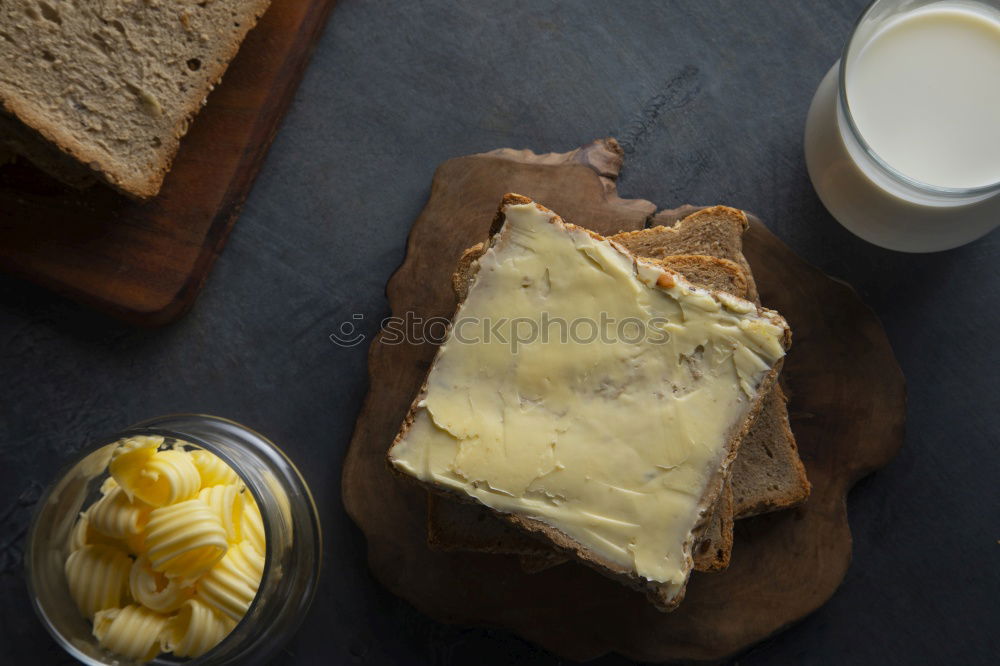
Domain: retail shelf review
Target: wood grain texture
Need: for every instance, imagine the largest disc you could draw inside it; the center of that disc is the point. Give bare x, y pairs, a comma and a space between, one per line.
847, 407
145, 262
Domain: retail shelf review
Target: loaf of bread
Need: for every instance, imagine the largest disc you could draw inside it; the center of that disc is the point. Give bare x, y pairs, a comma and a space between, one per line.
108, 88
663, 486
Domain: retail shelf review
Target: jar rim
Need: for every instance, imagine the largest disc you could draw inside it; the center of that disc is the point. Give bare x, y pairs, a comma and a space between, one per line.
304, 516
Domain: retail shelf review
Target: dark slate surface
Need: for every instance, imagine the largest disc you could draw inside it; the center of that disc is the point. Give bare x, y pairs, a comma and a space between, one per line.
709, 100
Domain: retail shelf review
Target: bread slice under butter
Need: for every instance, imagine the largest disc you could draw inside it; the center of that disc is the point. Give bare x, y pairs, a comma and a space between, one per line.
113, 84
454, 525
562, 450
767, 475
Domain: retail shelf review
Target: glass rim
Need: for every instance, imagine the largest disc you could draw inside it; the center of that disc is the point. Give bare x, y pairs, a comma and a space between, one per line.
890, 170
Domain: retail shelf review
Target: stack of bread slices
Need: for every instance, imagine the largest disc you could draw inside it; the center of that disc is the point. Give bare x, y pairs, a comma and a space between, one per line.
104, 91
758, 472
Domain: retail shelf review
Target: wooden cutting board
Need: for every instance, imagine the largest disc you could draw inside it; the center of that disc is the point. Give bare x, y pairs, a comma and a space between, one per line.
847, 410
146, 262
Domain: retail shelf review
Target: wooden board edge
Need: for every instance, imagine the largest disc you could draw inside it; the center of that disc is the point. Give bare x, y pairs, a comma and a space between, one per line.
261, 137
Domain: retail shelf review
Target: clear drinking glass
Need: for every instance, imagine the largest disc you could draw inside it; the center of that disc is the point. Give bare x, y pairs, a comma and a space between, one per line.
291, 527
867, 194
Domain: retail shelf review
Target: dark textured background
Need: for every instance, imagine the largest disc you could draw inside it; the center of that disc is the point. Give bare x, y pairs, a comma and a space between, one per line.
709, 100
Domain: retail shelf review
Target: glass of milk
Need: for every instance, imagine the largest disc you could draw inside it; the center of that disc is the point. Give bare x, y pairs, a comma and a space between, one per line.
902, 140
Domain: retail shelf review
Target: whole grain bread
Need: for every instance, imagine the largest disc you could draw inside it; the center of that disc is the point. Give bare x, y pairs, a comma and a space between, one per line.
114, 84
460, 526
665, 597
716, 231
767, 475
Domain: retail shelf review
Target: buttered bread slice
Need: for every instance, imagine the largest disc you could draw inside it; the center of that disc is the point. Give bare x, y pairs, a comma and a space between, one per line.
592, 398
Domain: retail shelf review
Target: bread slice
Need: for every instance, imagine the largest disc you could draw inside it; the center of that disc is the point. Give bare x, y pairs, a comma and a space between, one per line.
767, 474
461, 526
658, 559
115, 84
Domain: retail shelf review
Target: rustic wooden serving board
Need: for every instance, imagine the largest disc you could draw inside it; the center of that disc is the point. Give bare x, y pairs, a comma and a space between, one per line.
847, 410
146, 262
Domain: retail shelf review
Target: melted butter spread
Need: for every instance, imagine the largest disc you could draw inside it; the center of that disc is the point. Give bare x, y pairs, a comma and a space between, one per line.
612, 442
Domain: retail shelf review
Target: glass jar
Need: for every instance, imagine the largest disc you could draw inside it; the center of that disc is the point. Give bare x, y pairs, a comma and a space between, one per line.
291, 527
862, 190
